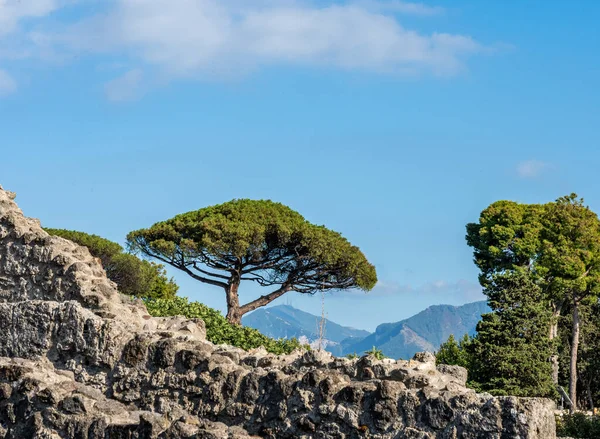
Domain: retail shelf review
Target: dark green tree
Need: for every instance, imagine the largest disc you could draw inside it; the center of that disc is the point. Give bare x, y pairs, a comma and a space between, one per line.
570, 258
511, 349
508, 238
133, 276
256, 241
454, 352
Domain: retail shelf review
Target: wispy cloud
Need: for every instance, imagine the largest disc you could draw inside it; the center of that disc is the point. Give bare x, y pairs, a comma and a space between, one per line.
462, 290
125, 87
532, 168
195, 36
12, 11
216, 39
190, 37
7, 83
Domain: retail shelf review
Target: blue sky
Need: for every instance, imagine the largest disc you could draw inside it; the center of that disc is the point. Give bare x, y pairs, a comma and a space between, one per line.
392, 122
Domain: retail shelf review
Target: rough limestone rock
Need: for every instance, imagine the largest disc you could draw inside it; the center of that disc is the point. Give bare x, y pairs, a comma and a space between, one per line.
79, 360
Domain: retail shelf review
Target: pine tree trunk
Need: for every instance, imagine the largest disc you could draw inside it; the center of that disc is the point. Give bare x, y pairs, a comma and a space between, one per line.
574, 348
234, 316
588, 385
553, 334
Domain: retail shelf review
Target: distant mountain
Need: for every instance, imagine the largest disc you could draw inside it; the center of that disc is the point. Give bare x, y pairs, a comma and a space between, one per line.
425, 331
284, 321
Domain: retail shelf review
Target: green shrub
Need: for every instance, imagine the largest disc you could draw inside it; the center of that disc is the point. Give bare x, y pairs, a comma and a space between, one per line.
352, 356
377, 353
454, 352
578, 425
133, 276
218, 329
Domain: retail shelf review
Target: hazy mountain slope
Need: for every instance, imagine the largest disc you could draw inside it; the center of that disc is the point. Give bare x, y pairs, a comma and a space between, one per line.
424, 331
403, 342
285, 321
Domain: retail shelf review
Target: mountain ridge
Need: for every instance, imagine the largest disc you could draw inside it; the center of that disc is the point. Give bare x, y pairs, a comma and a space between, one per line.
425, 331
285, 321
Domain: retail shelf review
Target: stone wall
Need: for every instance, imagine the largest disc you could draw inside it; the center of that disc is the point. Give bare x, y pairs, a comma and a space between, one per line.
79, 360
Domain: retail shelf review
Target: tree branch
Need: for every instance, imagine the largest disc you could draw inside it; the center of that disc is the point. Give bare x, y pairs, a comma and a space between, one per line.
266, 264
265, 300
208, 273
202, 279
182, 266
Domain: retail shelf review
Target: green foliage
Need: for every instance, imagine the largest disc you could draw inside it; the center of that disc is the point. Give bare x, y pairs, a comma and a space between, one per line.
155, 283
506, 237
255, 240
455, 353
218, 329
578, 425
377, 353
509, 355
132, 275
558, 243
352, 356
570, 248
99, 247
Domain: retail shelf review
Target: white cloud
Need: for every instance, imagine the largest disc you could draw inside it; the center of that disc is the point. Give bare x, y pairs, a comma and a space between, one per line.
12, 11
532, 168
462, 289
220, 39
7, 83
199, 38
125, 87
385, 288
